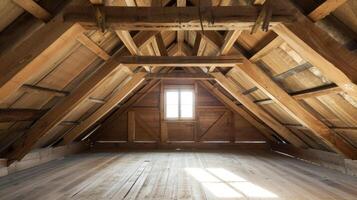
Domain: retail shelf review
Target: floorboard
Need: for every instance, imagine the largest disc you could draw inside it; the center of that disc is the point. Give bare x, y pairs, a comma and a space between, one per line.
178, 175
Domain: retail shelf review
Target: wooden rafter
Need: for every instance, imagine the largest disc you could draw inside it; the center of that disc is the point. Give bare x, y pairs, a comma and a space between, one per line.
230, 87
174, 18
180, 34
319, 48
57, 114
32, 7
254, 74
325, 9
34, 54
116, 98
128, 41
92, 46
227, 45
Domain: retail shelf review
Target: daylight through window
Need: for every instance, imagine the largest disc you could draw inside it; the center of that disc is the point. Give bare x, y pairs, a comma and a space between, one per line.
179, 103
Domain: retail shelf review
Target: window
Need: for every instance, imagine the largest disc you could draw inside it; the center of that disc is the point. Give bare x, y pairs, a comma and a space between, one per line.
179, 103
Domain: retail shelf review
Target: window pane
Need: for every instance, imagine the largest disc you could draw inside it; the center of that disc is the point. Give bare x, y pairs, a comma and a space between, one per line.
186, 111
171, 98
172, 111
186, 97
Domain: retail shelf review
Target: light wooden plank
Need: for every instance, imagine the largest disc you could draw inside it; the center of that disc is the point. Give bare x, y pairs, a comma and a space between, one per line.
92, 46
325, 9
227, 45
32, 7
128, 41
180, 76
32, 56
42, 90
166, 18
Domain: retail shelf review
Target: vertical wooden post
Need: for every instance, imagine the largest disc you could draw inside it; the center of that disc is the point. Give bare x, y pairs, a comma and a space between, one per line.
131, 126
163, 124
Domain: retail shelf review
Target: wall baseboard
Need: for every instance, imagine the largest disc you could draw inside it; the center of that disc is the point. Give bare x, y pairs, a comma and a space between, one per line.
318, 157
40, 156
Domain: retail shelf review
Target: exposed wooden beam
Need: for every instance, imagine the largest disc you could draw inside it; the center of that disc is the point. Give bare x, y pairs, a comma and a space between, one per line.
309, 93
95, 100
34, 54
317, 47
116, 98
180, 61
174, 18
258, 2
43, 90
96, 2
227, 45
57, 114
325, 9
284, 132
11, 114
176, 76
128, 41
267, 132
180, 34
267, 49
34, 9
92, 46
254, 74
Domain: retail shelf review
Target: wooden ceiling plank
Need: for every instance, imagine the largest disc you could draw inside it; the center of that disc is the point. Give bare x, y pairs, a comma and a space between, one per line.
34, 9
227, 45
174, 18
230, 87
253, 73
58, 113
113, 101
92, 46
43, 90
325, 9
30, 57
318, 48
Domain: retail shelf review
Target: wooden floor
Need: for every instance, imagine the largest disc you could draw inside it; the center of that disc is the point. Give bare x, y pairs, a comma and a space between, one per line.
178, 175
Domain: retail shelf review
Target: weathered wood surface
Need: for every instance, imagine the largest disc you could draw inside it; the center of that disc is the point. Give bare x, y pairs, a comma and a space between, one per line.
178, 175
174, 18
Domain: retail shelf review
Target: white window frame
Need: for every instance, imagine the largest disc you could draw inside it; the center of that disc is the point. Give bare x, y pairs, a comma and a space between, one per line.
180, 88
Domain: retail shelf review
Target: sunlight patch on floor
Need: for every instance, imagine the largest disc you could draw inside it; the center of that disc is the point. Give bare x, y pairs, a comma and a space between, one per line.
225, 184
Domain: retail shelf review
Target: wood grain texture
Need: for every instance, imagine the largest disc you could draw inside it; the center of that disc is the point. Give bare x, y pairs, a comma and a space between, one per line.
179, 175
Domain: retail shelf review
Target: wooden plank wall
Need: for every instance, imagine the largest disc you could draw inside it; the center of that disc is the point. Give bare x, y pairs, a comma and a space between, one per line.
40, 156
213, 122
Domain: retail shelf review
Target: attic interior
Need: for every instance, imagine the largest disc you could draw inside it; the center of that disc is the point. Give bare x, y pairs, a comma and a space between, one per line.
178, 99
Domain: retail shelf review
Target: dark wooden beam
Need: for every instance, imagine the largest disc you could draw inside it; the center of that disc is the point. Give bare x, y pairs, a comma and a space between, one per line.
175, 76
174, 18
180, 61
8, 115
